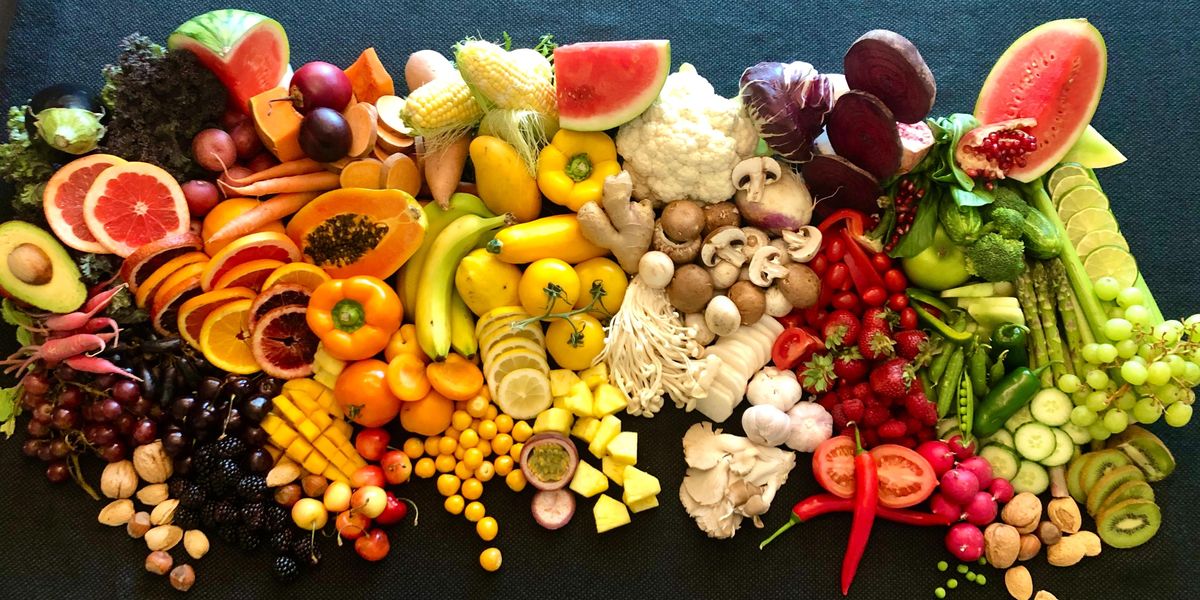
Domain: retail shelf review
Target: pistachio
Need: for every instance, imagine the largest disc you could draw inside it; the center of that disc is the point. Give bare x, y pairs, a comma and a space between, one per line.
164, 513
283, 474
1067, 552
119, 479
1019, 583
1049, 533
1002, 544
153, 494
152, 463
196, 543
183, 577
163, 537
159, 562
1064, 512
1044, 595
117, 512
1090, 541
138, 525
1022, 511
1030, 546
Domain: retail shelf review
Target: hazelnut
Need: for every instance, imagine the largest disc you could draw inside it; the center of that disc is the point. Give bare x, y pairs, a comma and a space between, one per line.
138, 525
117, 512
159, 562
314, 485
287, 495
1030, 546
183, 577
1049, 533
119, 479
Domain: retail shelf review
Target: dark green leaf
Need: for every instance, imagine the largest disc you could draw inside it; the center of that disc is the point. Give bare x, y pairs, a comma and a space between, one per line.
946, 133
921, 235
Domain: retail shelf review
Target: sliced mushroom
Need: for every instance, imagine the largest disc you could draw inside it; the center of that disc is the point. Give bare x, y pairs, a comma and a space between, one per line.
766, 266
680, 253
755, 174
803, 244
782, 245
755, 239
724, 274
726, 244
777, 303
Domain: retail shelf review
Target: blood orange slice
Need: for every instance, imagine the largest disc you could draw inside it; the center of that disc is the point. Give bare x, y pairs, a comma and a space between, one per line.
147, 259
225, 341
165, 314
193, 311
283, 344
248, 275
275, 296
184, 274
256, 246
63, 200
150, 286
132, 204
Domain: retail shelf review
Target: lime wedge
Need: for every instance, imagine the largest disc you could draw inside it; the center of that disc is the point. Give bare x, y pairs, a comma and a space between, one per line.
1089, 220
1067, 184
1084, 196
1111, 261
1096, 239
1062, 172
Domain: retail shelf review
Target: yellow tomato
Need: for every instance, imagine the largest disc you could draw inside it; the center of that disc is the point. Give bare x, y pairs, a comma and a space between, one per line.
502, 444
447, 445
463, 471
548, 285
485, 471
425, 468
575, 342
598, 275
468, 439
460, 420
472, 458
487, 528
454, 504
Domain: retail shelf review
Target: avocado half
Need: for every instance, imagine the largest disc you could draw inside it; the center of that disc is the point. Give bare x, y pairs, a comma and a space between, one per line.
36, 269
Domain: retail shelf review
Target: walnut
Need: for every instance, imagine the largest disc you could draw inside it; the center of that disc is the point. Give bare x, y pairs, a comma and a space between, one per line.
152, 462
119, 479
1023, 510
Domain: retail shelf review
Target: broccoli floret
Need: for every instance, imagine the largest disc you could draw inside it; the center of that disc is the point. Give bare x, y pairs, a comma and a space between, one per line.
1009, 198
996, 258
1006, 222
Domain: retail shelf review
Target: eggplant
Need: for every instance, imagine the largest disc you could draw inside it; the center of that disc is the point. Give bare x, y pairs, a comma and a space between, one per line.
66, 117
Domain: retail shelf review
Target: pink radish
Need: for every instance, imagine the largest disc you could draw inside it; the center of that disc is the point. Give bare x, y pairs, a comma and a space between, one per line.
1002, 491
965, 542
980, 467
939, 505
981, 509
939, 455
959, 485
962, 450
95, 364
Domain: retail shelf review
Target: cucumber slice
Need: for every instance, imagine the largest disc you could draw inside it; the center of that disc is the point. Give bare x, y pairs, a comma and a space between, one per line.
1035, 441
1031, 477
1004, 461
1079, 435
981, 290
1089, 220
1096, 239
1018, 419
1051, 407
1002, 437
1114, 262
945, 426
1067, 184
1064, 449
1084, 196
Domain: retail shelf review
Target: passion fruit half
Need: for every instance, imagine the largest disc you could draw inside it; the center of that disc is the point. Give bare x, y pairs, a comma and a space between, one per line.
548, 461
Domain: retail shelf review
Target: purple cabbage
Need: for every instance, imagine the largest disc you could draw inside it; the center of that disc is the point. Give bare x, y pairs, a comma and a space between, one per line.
787, 102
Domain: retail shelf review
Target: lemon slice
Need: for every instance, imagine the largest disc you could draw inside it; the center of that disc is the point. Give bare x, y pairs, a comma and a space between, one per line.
1067, 184
513, 343
496, 314
1089, 220
1096, 239
1062, 172
499, 332
1084, 196
524, 393
1112, 261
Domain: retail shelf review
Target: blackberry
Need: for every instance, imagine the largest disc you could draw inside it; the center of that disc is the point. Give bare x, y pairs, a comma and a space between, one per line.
225, 477
230, 447
252, 488
186, 518
205, 453
175, 487
208, 515
305, 551
253, 515
276, 518
190, 495
247, 539
280, 542
285, 569
228, 534
226, 512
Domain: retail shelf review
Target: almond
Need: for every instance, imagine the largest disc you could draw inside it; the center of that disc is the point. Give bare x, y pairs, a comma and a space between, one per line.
283, 474
1019, 583
1066, 553
1090, 541
163, 537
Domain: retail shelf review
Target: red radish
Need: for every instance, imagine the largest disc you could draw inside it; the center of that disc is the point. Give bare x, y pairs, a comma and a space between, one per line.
938, 454
980, 467
553, 509
245, 140
201, 196
965, 542
1002, 491
961, 451
959, 485
214, 149
939, 505
319, 85
95, 364
981, 509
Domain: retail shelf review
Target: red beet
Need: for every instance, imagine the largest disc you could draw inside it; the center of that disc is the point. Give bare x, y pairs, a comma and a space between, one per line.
201, 197
319, 85
863, 130
887, 65
836, 183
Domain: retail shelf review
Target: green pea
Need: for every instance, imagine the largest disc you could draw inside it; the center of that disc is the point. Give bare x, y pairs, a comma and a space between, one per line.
939, 593
970, 576
983, 560
953, 583
942, 566
962, 569
980, 579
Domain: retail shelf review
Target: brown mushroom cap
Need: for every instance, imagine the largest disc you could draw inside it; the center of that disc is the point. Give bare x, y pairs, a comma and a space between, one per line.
800, 286
750, 300
681, 253
690, 289
682, 221
721, 214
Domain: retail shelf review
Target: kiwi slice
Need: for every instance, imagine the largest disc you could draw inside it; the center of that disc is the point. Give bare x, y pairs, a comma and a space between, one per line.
1100, 463
1146, 451
1073, 486
1130, 490
1104, 486
1129, 524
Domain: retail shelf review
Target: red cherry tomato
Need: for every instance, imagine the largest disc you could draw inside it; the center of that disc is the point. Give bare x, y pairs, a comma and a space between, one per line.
368, 475
394, 512
882, 262
819, 265
846, 301
908, 318
898, 302
795, 346
815, 317
835, 249
837, 276
795, 318
894, 280
875, 296
905, 477
396, 465
372, 442
373, 546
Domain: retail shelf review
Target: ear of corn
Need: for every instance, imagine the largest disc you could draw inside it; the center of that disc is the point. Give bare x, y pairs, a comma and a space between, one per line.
442, 109
505, 79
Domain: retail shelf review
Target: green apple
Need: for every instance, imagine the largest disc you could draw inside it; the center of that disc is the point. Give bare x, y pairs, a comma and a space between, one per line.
941, 266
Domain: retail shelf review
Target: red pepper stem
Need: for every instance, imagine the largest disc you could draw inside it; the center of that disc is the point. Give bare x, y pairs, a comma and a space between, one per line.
786, 526
858, 447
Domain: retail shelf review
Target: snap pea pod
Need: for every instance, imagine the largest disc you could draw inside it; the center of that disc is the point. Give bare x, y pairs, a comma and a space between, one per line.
977, 369
938, 365
966, 408
948, 384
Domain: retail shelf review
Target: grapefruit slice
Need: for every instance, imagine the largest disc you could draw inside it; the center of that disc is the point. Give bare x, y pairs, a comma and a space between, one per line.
256, 246
193, 312
276, 296
283, 344
132, 204
185, 274
146, 260
602, 85
248, 275
146, 291
225, 340
63, 200
247, 51
303, 274
165, 314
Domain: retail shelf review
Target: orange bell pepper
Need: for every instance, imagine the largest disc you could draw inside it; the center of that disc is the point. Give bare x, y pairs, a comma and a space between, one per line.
404, 341
354, 317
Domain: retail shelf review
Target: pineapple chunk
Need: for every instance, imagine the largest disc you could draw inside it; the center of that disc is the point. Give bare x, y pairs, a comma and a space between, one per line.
326, 378
559, 402
579, 400
609, 400
594, 376
309, 430
299, 450
283, 406
610, 426
646, 504
558, 420
588, 480
639, 485
609, 513
585, 428
623, 448
561, 381
614, 470
315, 463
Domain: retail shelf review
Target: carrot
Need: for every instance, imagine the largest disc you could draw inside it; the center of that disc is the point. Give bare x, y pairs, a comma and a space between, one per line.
285, 169
364, 128
444, 168
423, 66
309, 182
455, 378
267, 211
406, 377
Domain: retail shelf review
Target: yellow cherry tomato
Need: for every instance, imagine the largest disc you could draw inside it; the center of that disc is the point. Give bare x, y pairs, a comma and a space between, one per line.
477, 406
575, 342
431, 445
502, 444
472, 457
425, 468
463, 471
474, 511
459, 452
515, 480
490, 560
444, 463
487, 528
447, 485
504, 423
414, 448
472, 488
454, 504
548, 286
521, 431
604, 277
504, 465
452, 433
487, 430
485, 447
447, 445
460, 420
485, 471
468, 439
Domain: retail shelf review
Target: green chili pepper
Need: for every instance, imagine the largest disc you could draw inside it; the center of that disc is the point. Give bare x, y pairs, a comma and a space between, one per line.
1014, 339
950, 333
925, 297
949, 382
977, 368
996, 371
966, 408
1006, 398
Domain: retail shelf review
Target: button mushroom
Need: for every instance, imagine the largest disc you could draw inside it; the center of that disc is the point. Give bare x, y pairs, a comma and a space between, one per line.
682, 221
725, 244
753, 175
766, 266
777, 304
722, 315
681, 253
721, 214
750, 300
802, 244
690, 289
724, 274
800, 286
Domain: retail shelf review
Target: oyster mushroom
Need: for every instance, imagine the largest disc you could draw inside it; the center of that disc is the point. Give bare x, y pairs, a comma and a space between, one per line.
690, 289
681, 253
725, 244
802, 244
766, 266
754, 174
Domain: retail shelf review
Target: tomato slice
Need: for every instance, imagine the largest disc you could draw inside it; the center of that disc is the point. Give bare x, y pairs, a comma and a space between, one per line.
833, 466
794, 346
905, 477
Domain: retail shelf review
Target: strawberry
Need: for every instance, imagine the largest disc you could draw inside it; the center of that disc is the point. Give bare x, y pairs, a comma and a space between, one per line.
878, 318
841, 329
892, 379
817, 374
862, 390
875, 343
919, 407
850, 366
910, 343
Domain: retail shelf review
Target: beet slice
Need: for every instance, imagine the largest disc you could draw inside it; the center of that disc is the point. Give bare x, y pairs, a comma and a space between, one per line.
836, 183
553, 509
886, 64
863, 131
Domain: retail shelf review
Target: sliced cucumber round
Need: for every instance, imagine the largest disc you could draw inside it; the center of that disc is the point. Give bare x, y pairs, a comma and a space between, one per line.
1002, 437
1064, 449
1018, 419
1051, 407
1035, 441
945, 426
1031, 477
1003, 460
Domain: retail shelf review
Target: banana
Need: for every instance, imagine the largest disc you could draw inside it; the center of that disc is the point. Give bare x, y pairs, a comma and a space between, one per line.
436, 284
438, 219
462, 328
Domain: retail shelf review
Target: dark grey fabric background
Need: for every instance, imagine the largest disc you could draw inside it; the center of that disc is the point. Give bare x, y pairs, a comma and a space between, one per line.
52, 547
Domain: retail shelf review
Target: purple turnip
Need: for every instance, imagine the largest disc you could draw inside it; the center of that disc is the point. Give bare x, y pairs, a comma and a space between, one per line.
959, 485
965, 542
771, 196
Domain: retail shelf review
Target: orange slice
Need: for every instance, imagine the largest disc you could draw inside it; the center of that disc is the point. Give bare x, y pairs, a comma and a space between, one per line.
302, 274
255, 246
193, 312
225, 341
248, 275
146, 291
184, 273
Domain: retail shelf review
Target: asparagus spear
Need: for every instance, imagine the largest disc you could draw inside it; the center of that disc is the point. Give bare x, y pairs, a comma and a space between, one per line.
1070, 318
1054, 345
1037, 337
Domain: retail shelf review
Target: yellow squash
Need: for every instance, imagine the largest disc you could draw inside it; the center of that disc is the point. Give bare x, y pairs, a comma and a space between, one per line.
504, 184
558, 237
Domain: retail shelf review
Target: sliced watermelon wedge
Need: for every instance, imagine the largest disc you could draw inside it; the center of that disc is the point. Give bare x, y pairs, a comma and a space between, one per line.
247, 51
602, 85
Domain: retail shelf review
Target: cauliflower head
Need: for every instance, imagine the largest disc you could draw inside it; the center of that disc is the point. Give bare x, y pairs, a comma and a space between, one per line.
686, 144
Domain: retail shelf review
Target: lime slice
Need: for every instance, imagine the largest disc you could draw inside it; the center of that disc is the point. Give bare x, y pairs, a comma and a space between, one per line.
512, 343
1064, 171
1112, 261
1067, 184
1089, 220
524, 393
1084, 196
1096, 239
496, 314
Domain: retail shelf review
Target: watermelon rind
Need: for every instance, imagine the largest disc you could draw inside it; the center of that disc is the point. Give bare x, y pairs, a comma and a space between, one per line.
637, 101
214, 37
1058, 39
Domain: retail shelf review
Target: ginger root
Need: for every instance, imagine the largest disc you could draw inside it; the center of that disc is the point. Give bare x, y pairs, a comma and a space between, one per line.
621, 225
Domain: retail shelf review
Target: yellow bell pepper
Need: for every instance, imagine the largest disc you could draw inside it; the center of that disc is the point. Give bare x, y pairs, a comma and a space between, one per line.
571, 170
505, 185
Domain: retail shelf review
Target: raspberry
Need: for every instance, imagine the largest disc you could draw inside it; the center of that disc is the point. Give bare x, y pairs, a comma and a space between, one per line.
912, 425
854, 409
925, 434
845, 392
828, 400
907, 442
870, 438
862, 390
921, 408
839, 415
892, 430
876, 415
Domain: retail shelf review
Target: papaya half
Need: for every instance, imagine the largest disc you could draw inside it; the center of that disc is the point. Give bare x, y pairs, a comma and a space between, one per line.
355, 231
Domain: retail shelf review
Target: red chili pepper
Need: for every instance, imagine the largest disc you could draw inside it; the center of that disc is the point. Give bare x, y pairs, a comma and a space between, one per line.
861, 270
866, 503
823, 504
854, 221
